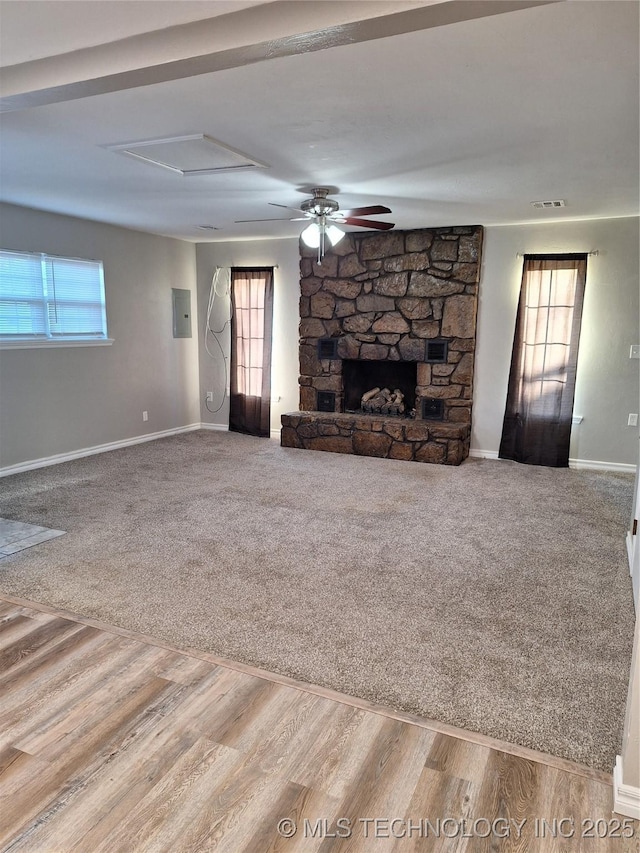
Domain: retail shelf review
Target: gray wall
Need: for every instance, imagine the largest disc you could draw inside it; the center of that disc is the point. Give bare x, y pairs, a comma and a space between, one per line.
59, 400
607, 380
607, 384
62, 400
284, 359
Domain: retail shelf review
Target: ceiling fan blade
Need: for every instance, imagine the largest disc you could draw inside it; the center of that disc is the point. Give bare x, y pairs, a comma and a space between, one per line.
366, 223
277, 219
363, 211
275, 204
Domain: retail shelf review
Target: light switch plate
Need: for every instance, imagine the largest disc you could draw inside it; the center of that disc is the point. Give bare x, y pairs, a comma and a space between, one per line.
635, 351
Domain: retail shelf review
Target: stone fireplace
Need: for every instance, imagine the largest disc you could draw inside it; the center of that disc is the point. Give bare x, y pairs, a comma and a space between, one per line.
394, 312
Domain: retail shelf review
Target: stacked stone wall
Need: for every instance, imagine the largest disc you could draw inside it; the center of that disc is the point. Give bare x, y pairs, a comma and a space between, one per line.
383, 297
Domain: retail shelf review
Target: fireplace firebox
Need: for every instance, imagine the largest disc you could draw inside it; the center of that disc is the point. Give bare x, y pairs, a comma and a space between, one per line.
360, 376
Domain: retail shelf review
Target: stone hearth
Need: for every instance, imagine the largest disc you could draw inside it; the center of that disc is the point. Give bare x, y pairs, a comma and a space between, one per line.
400, 296
392, 438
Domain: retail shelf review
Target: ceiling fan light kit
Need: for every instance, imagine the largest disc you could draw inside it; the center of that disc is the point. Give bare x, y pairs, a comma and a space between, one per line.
334, 234
324, 212
314, 235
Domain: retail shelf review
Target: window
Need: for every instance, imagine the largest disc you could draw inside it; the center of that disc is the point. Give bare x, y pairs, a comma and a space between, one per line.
251, 326
46, 300
537, 422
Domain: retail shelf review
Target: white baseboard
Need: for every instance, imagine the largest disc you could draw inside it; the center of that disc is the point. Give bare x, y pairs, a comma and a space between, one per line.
630, 551
483, 454
584, 464
593, 465
626, 798
45, 461
577, 464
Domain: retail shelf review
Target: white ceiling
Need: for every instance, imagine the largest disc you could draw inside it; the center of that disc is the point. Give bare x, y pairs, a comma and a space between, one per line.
446, 123
32, 29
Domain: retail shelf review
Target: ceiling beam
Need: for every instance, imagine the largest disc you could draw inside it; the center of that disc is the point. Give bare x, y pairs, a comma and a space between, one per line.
270, 31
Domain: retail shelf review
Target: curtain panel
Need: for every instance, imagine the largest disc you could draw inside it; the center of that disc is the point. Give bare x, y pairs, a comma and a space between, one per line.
539, 410
251, 331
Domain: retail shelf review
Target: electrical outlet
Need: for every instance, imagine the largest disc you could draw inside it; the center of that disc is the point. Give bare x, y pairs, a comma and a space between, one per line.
145, 416
633, 420
209, 396
635, 351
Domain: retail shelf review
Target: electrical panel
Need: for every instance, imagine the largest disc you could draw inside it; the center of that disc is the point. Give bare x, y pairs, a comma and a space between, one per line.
181, 299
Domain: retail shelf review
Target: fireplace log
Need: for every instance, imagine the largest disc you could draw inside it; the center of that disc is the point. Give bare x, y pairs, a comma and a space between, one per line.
369, 395
383, 401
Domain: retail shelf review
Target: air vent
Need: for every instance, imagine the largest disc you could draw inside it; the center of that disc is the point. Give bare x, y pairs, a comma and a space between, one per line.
437, 351
208, 227
188, 155
432, 410
326, 401
327, 348
556, 203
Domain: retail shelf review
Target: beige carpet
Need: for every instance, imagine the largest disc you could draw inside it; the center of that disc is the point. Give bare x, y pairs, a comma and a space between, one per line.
493, 596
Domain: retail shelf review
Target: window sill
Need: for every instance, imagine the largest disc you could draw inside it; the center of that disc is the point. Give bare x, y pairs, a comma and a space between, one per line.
46, 344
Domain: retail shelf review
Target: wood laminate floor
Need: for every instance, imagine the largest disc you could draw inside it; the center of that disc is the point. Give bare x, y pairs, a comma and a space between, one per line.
112, 742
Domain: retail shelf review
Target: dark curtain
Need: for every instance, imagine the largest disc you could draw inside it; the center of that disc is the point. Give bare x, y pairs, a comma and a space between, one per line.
537, 421
251, 326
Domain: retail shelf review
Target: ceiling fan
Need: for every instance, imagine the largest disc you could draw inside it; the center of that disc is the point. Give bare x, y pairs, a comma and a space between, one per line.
323, 213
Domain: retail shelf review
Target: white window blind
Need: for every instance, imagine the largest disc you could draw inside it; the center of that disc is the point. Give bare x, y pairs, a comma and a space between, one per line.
43, 297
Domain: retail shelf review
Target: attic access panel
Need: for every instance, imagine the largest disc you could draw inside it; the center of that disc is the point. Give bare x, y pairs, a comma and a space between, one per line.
197, 154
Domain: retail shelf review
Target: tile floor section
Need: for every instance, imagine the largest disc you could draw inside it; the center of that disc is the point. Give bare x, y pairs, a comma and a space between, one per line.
16, 536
